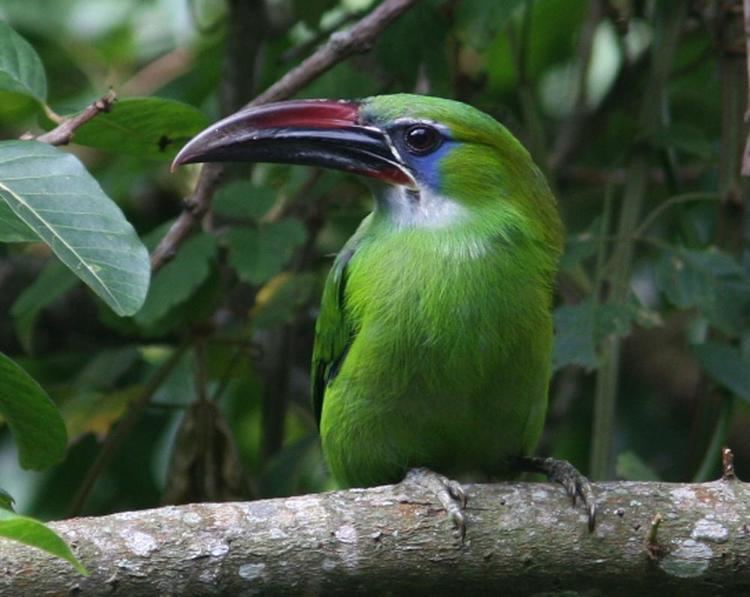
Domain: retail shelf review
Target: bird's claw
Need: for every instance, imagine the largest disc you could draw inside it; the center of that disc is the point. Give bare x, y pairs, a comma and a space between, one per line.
575, 484
448, 492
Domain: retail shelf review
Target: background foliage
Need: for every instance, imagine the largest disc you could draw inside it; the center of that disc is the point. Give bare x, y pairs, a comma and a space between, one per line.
198, 390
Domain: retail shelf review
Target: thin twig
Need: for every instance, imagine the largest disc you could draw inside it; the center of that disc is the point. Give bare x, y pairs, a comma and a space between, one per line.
64, 132
653, 548
340, 46
727, 465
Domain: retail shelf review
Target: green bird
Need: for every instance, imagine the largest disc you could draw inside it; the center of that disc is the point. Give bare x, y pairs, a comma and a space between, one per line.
432, 348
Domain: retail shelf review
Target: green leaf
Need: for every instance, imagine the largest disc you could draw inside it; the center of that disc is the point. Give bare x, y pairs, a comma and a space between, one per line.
581, 246
13, 229
243, 199
630, 467
95, 412
53, 194
32, 417
258, 254
683, 137
481, 20
6, 500
53, 281
21, 69
580, 329
726, 366
710, 280
280, 300
179, 278
149, 127
32, 532
574, 336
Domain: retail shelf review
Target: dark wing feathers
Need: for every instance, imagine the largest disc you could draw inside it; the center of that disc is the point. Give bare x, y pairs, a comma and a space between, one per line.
334, 331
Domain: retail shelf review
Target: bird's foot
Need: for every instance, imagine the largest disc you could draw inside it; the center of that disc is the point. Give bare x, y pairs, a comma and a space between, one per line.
449, 493
561, 471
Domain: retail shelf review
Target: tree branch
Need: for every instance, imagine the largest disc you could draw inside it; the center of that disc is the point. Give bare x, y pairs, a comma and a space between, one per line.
340, 46
63, 133
522, 538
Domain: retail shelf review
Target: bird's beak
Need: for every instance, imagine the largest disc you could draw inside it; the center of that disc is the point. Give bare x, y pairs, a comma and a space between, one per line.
322, 133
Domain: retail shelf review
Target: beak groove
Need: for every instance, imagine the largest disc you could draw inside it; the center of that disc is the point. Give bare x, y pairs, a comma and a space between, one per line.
320, 133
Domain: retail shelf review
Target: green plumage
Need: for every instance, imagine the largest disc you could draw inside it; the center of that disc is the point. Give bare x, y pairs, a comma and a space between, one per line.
434, 337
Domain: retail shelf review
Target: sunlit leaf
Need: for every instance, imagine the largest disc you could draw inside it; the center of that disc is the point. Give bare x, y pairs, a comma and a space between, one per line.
95, 412
33, 419
35, 534
53, 194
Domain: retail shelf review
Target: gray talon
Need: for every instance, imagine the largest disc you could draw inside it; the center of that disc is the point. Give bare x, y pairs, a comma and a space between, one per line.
449, 493
561, 471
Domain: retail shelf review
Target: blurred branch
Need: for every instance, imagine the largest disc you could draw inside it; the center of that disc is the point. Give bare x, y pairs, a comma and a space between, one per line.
63, 133
298, 51
667, 35
522, 538
124, 427
159, 72
340, 46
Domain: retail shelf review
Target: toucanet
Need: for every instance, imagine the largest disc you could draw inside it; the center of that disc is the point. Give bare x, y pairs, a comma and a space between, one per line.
432, 349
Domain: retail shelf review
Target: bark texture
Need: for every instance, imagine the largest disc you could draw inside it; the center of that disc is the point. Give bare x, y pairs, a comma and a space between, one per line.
522, 539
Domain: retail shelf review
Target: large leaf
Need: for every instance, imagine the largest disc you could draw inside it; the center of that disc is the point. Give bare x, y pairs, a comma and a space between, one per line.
55, 196
34, 533
580, 329
727, 366
258, 254
21, 70
710, 280
179, 278
243, 199
33, 419
149, 127
12, 228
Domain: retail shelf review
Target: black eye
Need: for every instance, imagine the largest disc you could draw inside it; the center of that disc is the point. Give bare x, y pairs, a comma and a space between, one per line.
421, 139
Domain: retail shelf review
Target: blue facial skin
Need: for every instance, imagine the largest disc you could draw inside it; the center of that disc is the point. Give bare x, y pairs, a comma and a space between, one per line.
426, 168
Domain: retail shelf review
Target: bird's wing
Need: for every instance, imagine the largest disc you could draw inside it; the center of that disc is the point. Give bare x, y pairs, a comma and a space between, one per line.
334, 330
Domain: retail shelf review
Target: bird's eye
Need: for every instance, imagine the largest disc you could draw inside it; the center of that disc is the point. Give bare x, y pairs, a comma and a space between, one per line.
421, 139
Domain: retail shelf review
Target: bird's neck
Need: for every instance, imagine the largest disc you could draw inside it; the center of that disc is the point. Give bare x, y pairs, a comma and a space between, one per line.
403, 208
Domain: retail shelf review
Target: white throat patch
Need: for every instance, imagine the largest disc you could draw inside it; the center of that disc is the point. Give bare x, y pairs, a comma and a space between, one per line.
425, 210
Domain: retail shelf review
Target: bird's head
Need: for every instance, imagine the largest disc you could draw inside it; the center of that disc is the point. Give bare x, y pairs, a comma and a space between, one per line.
442, 161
